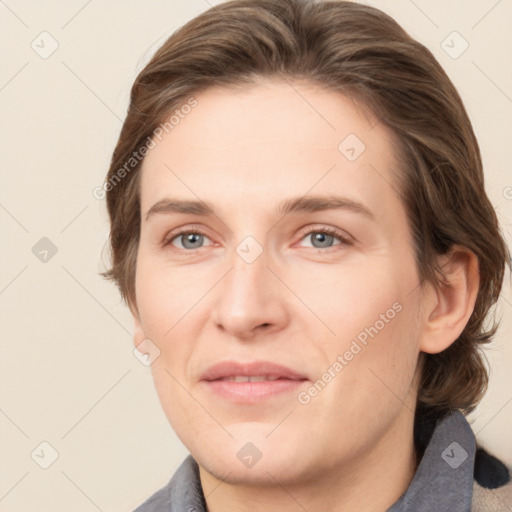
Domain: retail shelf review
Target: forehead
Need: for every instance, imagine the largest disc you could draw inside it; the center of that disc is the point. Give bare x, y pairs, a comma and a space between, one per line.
256, 145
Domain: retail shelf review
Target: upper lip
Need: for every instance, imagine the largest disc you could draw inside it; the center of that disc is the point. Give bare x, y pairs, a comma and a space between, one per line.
257, 368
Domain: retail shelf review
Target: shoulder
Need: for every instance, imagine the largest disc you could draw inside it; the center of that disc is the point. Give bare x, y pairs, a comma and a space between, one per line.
492, 487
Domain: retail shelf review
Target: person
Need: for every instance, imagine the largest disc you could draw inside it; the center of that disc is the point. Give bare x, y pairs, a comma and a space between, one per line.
300, 229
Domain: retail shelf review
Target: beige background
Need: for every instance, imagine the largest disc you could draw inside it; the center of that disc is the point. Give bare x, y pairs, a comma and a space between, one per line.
68, 375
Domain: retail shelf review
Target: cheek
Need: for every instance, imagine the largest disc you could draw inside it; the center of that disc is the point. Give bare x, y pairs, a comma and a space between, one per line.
383, 368
355, 300
167, 314
165, 296
375, 320
183, 413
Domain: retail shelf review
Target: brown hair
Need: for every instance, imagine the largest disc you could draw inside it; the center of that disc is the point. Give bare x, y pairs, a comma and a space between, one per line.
364, 54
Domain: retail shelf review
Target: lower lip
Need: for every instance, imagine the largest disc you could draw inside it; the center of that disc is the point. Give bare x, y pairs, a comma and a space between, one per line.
253, 392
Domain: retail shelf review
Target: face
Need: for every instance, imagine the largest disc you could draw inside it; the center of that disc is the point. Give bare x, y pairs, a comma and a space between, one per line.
276, 276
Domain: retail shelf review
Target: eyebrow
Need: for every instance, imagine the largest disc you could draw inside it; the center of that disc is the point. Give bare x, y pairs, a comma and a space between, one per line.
303, 204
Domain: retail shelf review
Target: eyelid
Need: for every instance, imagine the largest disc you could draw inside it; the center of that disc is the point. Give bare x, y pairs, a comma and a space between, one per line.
342, 236
188, 229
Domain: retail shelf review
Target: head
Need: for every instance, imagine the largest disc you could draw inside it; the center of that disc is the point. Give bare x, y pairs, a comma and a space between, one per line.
255, 128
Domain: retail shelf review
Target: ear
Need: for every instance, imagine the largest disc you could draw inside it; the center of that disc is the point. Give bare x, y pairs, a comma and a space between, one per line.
449, 305
138, 333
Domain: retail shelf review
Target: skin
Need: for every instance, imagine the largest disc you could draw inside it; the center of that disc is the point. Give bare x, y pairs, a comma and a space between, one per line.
244, 152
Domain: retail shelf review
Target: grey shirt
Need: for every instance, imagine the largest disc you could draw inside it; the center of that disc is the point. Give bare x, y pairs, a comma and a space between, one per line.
442, 482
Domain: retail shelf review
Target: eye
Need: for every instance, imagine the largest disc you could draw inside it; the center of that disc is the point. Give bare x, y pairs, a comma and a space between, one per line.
320, 238
187, 240
325, 238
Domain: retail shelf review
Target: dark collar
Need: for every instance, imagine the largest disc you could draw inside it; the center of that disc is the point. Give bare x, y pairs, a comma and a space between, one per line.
443, 480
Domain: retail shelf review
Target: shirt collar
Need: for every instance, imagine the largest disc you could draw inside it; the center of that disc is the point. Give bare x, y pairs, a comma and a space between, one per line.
443, 480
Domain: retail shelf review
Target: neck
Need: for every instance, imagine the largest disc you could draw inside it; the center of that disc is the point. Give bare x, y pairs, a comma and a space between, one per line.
373, 480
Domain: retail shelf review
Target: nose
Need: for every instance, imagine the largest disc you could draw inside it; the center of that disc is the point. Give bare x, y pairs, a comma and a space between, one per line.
250, 300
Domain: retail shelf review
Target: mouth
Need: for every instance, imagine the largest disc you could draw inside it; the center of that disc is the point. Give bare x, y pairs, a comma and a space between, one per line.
250, 383
250, 378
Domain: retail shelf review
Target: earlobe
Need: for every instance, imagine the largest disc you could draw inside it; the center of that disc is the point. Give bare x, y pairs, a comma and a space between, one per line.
452, 301
138, 331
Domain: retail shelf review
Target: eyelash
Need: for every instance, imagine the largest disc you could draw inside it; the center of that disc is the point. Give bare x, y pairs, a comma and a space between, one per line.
324, 230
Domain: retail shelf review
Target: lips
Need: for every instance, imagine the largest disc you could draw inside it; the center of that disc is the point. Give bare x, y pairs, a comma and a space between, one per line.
250, 378
259, 371
251, 383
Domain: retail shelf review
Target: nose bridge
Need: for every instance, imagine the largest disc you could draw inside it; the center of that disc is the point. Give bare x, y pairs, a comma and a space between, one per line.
247, 280
247, 298
249, 257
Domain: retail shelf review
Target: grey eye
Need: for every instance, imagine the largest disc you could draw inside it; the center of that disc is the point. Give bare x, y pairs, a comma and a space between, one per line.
191, 240
321, 240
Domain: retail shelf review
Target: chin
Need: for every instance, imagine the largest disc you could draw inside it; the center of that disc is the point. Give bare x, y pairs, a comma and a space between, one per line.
252, 457
267, 471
